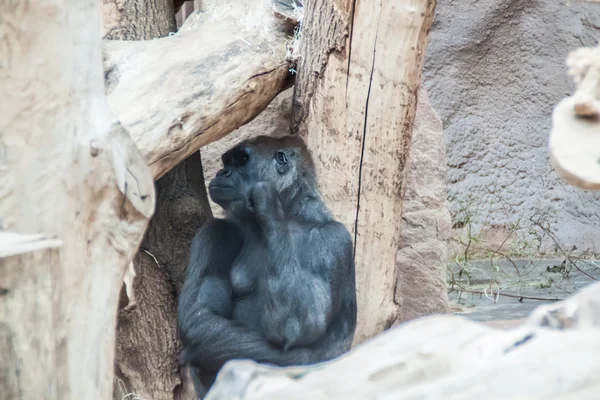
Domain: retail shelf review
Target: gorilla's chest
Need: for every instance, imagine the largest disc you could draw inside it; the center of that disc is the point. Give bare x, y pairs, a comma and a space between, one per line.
244, 276
246, 270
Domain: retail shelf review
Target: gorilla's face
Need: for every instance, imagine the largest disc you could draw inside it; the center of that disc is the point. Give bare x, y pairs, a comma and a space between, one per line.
260, 160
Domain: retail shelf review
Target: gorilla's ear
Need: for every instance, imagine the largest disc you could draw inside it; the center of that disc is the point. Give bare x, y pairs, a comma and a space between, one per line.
282, 160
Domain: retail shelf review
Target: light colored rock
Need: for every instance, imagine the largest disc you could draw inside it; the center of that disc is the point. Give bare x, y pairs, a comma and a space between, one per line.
425, 227
445, 357
577, 312
494, 71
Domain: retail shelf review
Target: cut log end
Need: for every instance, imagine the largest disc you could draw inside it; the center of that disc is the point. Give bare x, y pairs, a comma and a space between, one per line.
575, 136
575, 146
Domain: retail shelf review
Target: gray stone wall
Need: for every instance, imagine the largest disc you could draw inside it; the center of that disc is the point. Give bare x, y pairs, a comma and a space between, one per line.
494, 70
425, 227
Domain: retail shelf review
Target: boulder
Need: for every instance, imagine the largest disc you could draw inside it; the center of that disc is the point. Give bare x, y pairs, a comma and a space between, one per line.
554, 354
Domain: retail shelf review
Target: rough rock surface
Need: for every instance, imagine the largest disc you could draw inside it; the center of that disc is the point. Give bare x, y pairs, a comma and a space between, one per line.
446, 357
494, 71
425, 227
421, 262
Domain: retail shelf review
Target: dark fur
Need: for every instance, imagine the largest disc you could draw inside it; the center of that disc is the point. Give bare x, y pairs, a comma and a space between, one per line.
274, 282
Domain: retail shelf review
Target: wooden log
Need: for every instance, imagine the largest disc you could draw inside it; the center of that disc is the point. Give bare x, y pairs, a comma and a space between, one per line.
78, 193
553, 355
137, 19
148, 347
177, 94
147, 344
575, 135
355, 102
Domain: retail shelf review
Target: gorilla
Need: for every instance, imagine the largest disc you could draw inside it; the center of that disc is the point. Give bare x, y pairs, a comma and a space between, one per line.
274, 281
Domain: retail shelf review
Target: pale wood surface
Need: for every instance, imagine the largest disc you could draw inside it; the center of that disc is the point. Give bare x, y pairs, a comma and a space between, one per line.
179, 93
70, 174
575, 135
355, 105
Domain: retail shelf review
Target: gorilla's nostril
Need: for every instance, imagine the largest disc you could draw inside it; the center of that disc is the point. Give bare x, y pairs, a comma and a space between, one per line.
224, 172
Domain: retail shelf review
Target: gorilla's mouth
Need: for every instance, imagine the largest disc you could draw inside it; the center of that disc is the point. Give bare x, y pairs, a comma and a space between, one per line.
221, 194
216, 186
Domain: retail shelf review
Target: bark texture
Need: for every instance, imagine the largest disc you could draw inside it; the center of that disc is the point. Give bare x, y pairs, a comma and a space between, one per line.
138, 19
147, 343
179, 93
72, 175
355, 104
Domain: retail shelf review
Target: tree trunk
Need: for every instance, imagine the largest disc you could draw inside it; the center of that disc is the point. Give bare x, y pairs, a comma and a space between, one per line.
72, 177
147, 343
355, 104
138, 19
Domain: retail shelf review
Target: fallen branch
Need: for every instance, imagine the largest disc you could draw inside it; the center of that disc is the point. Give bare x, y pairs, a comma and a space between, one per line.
12, 244
179, 93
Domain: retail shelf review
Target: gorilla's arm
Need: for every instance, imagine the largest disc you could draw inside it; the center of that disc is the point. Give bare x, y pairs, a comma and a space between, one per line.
209, 337
300, 285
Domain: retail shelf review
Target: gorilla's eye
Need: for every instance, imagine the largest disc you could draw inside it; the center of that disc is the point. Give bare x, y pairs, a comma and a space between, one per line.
242, 158
237, 157
281, 158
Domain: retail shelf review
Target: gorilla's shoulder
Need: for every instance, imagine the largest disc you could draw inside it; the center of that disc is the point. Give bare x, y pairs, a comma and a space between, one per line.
217, 230
333, 230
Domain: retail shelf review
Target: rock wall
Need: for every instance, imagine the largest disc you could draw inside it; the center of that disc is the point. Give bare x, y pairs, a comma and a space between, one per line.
494, 70
425, 227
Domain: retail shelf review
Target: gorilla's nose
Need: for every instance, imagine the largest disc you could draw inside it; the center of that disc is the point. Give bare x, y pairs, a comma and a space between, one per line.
225, 172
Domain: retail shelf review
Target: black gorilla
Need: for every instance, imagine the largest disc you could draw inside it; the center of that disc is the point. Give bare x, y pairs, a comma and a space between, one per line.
274, 282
